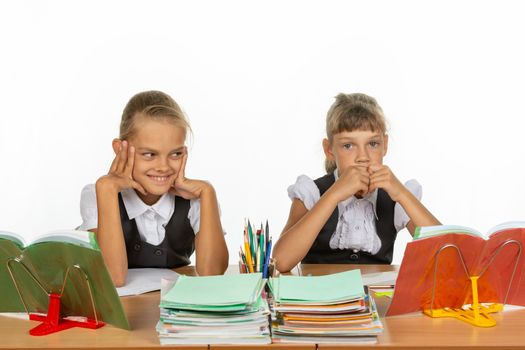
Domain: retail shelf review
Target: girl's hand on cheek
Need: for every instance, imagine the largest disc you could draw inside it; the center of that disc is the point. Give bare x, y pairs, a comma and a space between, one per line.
187, 188
120, 174
382, 177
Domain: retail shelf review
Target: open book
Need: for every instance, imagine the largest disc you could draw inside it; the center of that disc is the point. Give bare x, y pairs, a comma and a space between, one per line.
81, 238
432, 274
46, 260
430, 231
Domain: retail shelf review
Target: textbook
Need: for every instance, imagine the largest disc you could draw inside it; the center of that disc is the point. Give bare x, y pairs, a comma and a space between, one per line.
30, 270
438, 265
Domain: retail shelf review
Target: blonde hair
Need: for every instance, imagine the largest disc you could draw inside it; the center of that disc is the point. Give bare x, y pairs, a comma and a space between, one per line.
352, 112
151, 104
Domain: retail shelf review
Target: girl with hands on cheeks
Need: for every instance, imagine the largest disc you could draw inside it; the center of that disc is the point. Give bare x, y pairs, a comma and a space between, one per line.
145, 212
354, 212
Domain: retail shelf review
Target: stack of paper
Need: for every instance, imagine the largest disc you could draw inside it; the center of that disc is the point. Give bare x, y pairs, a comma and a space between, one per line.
323, 309
225, 309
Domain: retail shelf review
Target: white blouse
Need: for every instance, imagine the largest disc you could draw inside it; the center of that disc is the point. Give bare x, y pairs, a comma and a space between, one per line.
151, 220
356, 227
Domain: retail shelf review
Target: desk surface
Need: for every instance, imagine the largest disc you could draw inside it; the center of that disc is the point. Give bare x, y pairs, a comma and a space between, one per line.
415, 331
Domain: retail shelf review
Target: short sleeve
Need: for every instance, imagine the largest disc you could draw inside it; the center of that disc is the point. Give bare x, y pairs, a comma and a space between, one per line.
88, 208
401, 218
194, 214
305, 190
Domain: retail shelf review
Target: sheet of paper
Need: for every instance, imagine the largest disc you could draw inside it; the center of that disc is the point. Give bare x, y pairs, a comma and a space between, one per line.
20, 315
512, 307
165, 285
145, 280
380, 278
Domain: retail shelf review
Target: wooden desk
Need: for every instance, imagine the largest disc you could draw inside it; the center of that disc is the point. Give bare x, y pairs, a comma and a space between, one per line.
414, 331
417, 331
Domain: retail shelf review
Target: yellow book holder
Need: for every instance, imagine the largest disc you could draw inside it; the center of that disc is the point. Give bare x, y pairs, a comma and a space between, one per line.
476, 314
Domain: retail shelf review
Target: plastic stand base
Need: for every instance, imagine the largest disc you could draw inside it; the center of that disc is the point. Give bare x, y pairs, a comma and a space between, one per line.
52, 322
481, 318
476, 314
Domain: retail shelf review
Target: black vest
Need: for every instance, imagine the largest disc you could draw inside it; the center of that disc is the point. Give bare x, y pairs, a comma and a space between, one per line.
321, 253
176, 248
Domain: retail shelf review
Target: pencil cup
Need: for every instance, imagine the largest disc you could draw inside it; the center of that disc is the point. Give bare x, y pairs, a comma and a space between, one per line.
268, 271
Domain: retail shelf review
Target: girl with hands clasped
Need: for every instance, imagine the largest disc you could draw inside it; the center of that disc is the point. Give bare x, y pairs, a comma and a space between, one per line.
145, 212
352, 214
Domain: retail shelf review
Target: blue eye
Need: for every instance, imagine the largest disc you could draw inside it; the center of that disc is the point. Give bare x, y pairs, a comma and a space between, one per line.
374, 144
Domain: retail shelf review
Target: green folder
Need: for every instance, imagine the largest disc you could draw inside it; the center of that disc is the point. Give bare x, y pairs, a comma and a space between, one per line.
48, 260
323, 289
214, 293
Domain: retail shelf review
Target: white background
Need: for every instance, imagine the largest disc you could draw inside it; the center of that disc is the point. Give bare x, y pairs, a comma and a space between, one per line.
256, 80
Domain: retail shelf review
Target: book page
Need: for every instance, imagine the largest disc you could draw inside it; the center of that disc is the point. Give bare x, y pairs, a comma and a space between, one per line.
506, 226
431, 231
81, 238
14, 237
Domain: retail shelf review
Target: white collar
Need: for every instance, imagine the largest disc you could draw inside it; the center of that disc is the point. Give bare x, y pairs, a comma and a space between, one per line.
370, 197
136, 207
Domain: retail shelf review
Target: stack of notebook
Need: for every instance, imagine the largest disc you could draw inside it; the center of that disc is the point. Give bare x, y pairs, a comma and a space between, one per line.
225, 309
323, 309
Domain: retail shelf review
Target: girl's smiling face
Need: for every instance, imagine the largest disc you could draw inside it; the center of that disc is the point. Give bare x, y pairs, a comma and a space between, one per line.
356, 148
159, 147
